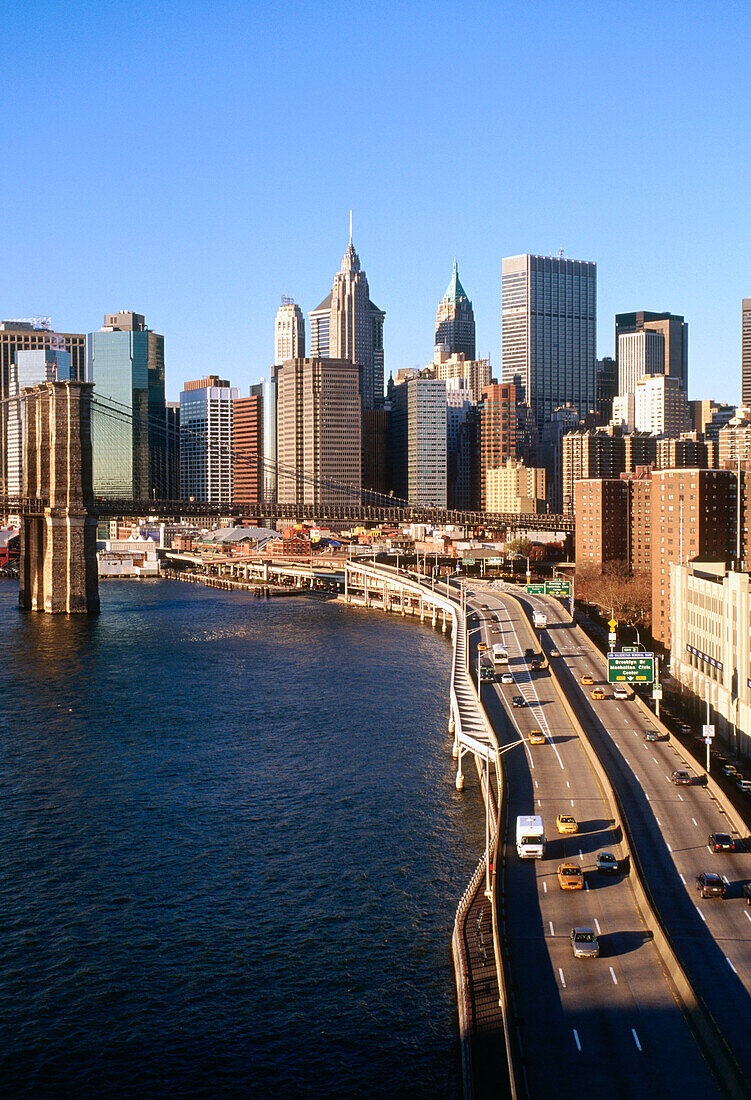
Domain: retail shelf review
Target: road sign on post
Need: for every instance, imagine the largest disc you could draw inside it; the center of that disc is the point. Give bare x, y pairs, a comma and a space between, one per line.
631, 668
536, 588
657, 691
613, 623
558, 588
707, 732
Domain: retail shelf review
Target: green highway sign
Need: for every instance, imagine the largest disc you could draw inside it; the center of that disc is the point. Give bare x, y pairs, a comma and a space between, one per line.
558, 588
536, 588
470, 561
631, 668
495, 561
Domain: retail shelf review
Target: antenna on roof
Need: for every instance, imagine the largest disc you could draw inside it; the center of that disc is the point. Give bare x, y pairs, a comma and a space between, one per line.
350, 227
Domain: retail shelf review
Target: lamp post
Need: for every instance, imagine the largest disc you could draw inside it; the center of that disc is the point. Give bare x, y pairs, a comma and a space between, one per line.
467, 633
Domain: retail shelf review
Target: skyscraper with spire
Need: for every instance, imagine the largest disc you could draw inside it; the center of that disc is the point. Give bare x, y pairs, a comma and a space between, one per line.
455, 320
347, 325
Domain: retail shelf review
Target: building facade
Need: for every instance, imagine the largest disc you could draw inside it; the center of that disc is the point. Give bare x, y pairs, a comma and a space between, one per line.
418, 442
600, 508
247, 447
289, 332
606, 387
455, 321
661, 406
476, 373
206, 440
47, 364
746, 352
128, 426
515, 488
319, 432
640, 354
497, 411
549, 332
674, 344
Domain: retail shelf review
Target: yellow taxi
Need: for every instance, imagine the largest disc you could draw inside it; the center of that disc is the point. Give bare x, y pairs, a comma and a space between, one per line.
565, 823
570, 877
536, 737
597, 693
586, 680
481, 647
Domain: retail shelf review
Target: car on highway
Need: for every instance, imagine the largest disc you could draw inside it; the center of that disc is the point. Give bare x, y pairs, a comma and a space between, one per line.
652, 735
554, 653
586, 680
729, 770
507, 678
481, 647
710, 885
746, 892
621, 693
483, 607
597, 693
537, 663
529, 652
744, 785
565, 823
684, 729
584, 943
723, 842
570, 877
681, 778
606, 862
536, 737
518, 701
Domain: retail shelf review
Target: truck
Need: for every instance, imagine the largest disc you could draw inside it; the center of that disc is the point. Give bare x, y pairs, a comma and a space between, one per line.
530, 837
487, 672
500, 655
540, 620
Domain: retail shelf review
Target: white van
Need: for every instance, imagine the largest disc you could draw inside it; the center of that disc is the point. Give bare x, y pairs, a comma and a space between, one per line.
500, 655
530, 837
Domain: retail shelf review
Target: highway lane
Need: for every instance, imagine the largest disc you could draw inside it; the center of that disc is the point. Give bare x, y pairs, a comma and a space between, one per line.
580, 1022
670, 826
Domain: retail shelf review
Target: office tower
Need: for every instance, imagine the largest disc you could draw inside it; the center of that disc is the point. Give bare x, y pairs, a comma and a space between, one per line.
418, 442
376, 467
319, 432
497, 430
550, 452
459, 404
455, 321
639, 354
268, 396
347, 325
693, 514
709, 416
289, 332
31, 335
734, 440
660, 405
746, 352
590, 454
606, 388
206, 440
247, 447
45, 364
549, 332
674, 331
600, 510
476, 373
515, 488
128, 423
172, 412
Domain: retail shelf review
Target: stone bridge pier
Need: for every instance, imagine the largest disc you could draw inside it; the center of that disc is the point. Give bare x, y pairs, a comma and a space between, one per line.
58, 566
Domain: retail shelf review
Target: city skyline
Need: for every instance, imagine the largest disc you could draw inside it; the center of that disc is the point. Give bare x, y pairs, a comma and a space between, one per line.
222, 218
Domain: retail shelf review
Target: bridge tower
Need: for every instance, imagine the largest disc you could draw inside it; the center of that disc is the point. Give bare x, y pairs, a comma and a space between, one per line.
58, 567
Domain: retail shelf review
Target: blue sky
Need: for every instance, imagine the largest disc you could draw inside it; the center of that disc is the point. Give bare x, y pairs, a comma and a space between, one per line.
194, 161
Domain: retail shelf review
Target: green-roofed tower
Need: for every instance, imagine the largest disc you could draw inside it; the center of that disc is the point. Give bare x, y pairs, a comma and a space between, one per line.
455, 320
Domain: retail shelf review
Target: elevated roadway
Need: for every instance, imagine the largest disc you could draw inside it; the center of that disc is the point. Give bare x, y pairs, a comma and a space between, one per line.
583, 1028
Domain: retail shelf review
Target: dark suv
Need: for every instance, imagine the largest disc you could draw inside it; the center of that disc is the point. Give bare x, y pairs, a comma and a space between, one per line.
681, 779
710, 885
723, 842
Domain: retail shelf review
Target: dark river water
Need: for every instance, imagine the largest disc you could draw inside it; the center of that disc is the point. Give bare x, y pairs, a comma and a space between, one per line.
230, 850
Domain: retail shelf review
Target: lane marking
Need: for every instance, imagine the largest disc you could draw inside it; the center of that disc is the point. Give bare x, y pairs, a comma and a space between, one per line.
535, 782
612, 975
563, 980
597, 926
657, 762
552, 933
727, 960
748, 915
572, 802
544, 887
576, 1040
680, 797
568, 784
586, 887
695, 822
658, 821
698, 910
581, 856
683, 879
636, 1038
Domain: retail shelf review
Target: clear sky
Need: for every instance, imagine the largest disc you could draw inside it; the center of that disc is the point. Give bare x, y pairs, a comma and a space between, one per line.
195, 160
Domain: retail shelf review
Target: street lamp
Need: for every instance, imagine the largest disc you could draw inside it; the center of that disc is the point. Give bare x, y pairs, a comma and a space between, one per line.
467, 633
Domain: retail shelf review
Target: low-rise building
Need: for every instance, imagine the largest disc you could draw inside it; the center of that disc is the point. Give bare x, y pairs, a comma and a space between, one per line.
515, 488
133, 557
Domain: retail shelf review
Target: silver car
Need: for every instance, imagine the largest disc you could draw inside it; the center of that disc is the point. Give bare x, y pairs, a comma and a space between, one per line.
584, 943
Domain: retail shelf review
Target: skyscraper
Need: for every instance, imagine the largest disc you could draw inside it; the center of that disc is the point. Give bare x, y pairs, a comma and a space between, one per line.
640, 354
289, 332
347, 325
746, 352
247, 447
674, 331
455, 321
206, 440
29, 369
497, 430
549, 332
128, 422
418, 441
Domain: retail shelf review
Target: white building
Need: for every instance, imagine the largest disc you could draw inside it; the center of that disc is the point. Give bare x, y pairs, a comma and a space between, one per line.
289, 332
133, 557
624, 411
710, 615
515, 488
206, 415
639, 354
660, 405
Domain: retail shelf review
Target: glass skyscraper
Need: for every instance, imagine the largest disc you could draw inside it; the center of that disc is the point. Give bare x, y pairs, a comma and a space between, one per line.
549, 332
128, 421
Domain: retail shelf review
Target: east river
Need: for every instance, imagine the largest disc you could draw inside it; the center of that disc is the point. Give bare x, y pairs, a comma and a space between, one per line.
230, 850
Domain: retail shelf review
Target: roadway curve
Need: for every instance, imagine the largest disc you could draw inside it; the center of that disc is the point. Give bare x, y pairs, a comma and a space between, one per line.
585, 1028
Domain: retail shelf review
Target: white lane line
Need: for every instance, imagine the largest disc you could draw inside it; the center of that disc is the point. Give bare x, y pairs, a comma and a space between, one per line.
586, 887
576, 1040
581, 854
658, 821
695, 822
552, 933
748, 915
727, 960
572, 802
563, 980
539, 803
669, 848
725, 880
535, 782
568, 784
683, 878
656, 760
597, 926
612, 975
544, 887
708, 849
636, 1038
698, 910
680, 797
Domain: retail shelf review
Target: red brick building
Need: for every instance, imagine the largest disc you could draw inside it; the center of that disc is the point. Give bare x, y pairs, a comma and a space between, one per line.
247, 448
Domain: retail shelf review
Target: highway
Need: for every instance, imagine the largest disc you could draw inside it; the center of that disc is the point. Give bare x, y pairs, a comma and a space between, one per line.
585, 1027
670, 826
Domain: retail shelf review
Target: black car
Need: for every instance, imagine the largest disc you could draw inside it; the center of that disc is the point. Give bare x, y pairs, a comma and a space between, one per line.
518, 701
537, 663
681, 779
723, 842
746, 892
710, 885
529, 652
